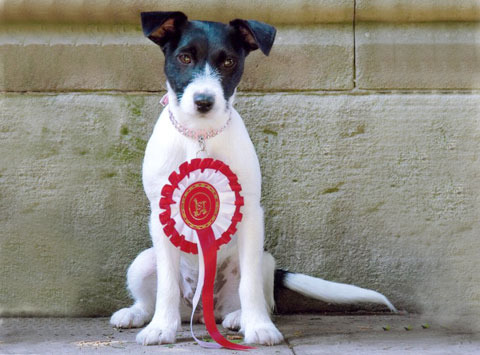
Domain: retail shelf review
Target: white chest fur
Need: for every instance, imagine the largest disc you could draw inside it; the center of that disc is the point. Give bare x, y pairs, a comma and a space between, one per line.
167, 149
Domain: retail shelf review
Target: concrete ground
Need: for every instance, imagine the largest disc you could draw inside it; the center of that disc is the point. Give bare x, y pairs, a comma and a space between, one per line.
304, 334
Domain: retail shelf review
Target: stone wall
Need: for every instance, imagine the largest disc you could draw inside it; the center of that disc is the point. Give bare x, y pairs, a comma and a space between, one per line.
366, 119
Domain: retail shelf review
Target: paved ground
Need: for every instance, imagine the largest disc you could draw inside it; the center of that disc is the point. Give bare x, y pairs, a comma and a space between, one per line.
304, 334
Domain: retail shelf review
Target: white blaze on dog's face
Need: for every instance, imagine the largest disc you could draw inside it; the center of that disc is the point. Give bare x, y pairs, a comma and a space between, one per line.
204, 62
202, 98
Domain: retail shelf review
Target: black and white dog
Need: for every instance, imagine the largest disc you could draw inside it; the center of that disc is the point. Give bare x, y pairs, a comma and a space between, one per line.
204, 62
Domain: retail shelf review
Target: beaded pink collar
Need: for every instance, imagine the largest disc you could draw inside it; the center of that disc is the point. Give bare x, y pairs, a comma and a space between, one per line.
202, 135
197, 135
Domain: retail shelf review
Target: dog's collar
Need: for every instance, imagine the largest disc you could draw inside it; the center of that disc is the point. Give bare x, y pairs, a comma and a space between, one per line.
200, 136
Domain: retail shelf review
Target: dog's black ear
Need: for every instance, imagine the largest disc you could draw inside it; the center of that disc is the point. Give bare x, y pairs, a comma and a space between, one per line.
255, 34
160, 26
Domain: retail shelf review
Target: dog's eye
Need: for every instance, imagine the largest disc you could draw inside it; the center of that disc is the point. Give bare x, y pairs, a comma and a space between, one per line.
184, 58
228, 63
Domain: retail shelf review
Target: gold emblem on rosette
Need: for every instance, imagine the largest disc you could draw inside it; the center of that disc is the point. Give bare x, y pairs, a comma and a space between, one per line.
199, 205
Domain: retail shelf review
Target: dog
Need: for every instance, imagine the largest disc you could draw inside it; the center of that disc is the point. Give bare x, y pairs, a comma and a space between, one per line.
204, 62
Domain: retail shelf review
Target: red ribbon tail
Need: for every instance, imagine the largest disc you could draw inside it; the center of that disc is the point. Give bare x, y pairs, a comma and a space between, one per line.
207, 243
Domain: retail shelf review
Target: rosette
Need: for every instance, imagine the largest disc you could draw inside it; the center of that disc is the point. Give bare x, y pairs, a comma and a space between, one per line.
205, 193
200, 209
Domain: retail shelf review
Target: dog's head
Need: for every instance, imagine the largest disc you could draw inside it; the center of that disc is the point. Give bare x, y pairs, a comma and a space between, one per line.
204, 61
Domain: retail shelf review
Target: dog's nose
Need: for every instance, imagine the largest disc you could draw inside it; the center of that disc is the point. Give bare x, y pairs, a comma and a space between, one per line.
204, 102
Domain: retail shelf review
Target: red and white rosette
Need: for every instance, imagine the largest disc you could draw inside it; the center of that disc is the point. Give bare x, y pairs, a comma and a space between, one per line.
204, 194
200, 209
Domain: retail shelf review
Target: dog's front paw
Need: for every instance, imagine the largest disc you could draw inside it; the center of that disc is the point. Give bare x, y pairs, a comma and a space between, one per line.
156, 334
132, 317
263, 333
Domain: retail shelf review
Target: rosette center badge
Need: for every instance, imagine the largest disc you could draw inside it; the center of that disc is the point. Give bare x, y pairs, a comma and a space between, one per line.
199, 205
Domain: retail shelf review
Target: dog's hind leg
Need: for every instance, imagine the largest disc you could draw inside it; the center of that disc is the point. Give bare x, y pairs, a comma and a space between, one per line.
141, 281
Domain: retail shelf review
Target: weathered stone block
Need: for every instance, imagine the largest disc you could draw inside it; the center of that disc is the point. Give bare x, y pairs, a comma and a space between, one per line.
418, 56
71, 201
304, 58
66, 58
377, 190
417, 11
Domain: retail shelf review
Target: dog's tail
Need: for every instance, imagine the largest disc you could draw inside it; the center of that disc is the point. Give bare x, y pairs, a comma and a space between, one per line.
328, 291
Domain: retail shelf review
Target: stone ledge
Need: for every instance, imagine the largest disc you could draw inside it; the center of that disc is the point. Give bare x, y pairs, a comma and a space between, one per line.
282, 12
76, 58
128, 12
